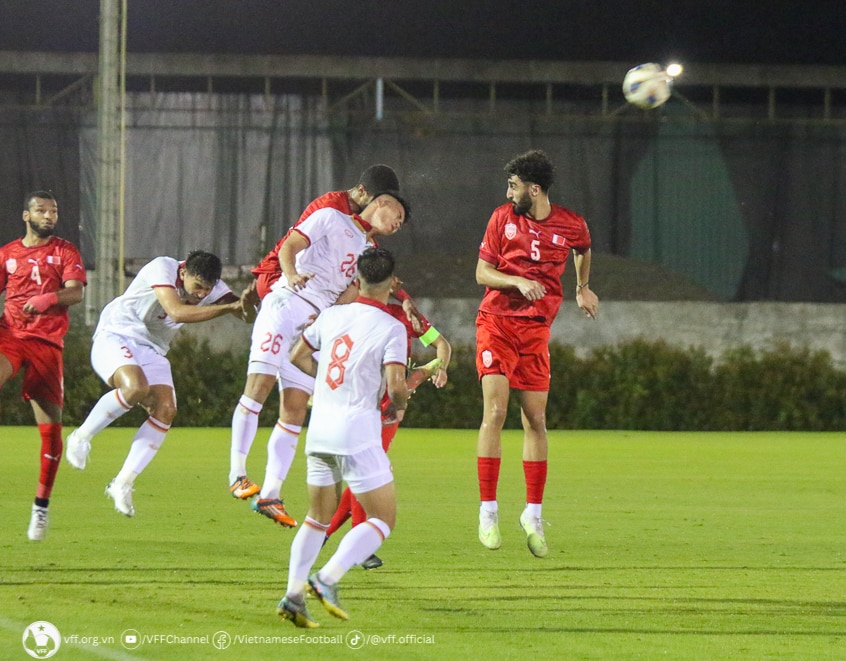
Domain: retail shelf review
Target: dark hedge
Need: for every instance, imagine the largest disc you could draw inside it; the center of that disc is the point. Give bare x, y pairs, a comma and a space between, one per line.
643, 385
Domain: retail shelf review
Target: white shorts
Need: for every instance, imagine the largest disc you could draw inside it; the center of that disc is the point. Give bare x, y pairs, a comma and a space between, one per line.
110, 352
364, 471
279, 323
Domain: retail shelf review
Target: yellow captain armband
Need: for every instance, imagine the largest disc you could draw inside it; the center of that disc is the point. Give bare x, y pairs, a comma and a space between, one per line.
430, 336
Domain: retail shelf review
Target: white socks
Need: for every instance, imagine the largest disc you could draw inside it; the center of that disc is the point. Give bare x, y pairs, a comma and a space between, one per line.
244, 426
146, 443
109, 408
304, 551
534, 510
357, 545
281, 450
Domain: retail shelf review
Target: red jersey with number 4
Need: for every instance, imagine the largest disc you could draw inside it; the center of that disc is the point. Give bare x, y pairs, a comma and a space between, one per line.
27, 272
536, 250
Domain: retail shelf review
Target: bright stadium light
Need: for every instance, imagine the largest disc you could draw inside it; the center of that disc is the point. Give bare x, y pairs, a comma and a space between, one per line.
674, 69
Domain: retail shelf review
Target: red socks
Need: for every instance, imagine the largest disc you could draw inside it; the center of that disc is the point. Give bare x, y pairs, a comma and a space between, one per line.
51, 453
488, 470
535, 472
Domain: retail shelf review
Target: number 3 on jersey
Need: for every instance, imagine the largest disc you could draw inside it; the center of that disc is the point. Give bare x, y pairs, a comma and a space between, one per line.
341, 350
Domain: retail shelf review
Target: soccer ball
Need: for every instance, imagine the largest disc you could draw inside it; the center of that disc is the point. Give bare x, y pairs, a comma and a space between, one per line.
647, 85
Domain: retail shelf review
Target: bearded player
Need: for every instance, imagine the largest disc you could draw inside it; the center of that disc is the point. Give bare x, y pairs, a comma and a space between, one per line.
521, 261
42, 275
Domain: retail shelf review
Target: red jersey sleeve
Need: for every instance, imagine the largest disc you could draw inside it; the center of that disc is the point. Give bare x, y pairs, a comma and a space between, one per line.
72, 263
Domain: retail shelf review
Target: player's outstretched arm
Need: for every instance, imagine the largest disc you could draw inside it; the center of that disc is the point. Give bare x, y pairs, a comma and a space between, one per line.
247, 309
183, 313
250, 302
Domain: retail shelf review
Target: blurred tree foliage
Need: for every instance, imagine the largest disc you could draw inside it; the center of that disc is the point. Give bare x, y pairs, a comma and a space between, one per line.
641, 384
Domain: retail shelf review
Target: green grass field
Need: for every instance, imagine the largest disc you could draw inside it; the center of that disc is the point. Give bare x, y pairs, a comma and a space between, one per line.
677, 546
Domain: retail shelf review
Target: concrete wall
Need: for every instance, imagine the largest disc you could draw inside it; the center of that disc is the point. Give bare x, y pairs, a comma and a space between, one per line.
712, 326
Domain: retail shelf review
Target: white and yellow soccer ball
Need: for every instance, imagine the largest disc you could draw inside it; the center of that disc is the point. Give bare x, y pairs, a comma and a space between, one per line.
647, 85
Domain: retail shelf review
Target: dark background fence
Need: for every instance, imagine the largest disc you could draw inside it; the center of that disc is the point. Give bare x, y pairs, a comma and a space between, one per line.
746, 210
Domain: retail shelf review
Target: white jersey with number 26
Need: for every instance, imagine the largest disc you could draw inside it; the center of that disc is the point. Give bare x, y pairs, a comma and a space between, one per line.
335, 242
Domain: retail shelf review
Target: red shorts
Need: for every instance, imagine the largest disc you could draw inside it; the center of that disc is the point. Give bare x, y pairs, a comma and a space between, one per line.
42, 364
516, 347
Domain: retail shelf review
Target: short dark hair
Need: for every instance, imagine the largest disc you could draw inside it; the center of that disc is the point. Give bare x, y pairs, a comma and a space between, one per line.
204, 265
399, 198
534, 166
379, 178
43, 194
375, 265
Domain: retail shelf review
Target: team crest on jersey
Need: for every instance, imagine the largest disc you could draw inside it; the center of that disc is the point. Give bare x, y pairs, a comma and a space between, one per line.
487, 358
348, 232
11, 265
510, 231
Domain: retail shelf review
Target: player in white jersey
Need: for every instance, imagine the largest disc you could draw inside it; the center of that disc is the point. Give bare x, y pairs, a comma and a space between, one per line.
128, 353
318, 261
363, 351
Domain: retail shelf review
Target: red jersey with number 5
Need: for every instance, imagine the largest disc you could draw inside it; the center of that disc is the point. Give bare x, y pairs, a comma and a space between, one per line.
536, 250
27, 272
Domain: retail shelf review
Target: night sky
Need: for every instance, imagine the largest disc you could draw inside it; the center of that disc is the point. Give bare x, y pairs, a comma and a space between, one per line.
719, 31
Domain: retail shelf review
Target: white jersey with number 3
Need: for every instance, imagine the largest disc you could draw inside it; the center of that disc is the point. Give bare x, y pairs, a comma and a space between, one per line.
355, 342
137, 312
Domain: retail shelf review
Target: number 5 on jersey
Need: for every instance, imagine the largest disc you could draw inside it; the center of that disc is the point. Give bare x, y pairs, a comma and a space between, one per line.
536, 250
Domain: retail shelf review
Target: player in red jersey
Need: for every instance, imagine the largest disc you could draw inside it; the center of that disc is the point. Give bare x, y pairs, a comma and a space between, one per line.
521, 261
42, 275
435, 370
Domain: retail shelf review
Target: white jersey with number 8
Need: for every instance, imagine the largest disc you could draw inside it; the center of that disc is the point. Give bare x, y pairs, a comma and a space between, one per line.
355, 342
